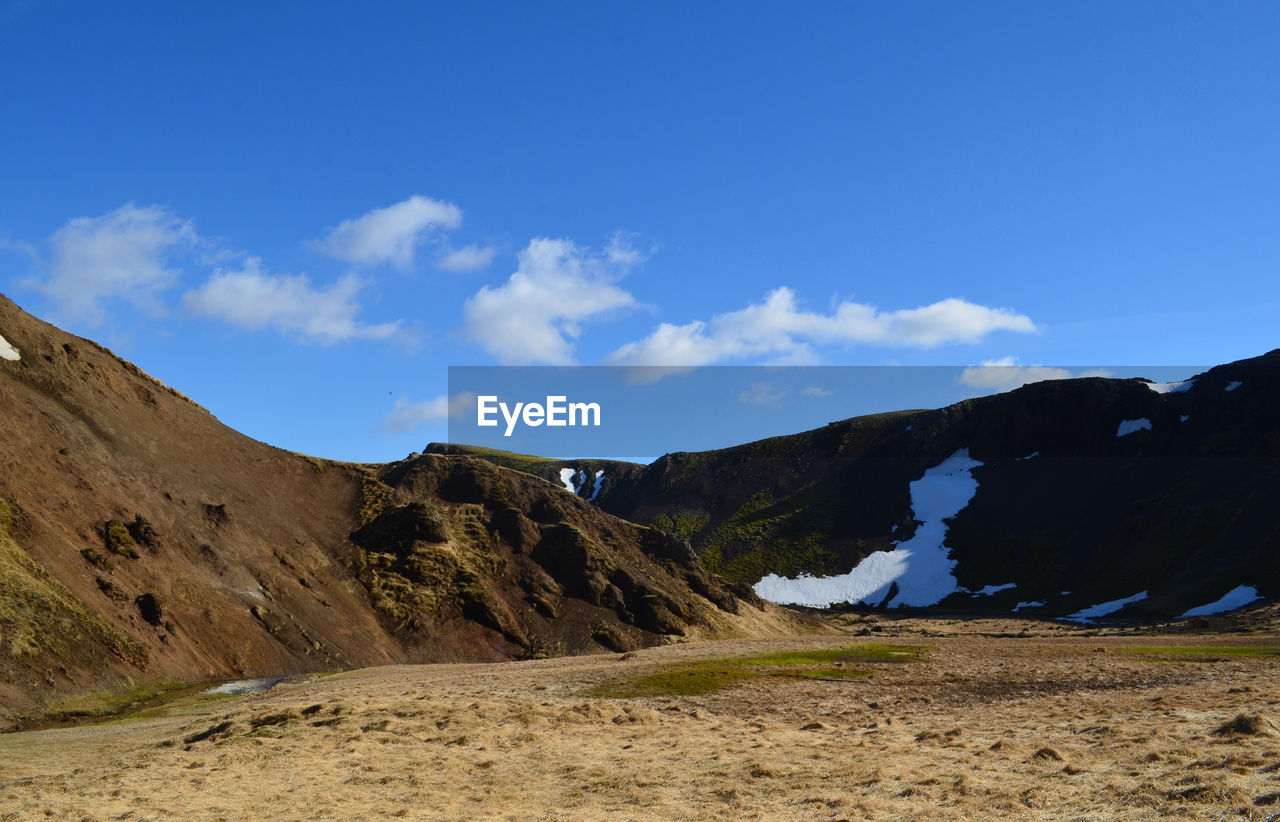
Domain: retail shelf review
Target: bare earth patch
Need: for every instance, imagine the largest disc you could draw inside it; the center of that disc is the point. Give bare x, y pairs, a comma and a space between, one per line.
988, 721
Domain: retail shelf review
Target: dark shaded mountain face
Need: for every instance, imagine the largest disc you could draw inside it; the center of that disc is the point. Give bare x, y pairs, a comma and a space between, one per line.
1089, 490
140, 538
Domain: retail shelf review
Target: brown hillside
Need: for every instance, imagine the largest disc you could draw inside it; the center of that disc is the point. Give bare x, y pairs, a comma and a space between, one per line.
142, 539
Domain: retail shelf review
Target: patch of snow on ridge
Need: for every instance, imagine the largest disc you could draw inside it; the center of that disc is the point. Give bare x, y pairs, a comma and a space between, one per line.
1129, 426
1183, 417
8, 352
1091, 613
1021, 605
595, 491
1233, 385
991, 589
1170, 387
921, 566
1237, 597
566, 477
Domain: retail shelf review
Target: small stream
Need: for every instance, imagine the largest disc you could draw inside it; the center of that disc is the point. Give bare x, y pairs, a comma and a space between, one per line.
242, 687
239, 687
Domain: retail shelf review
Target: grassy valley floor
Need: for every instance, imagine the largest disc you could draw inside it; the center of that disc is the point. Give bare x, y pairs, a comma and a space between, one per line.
939, 719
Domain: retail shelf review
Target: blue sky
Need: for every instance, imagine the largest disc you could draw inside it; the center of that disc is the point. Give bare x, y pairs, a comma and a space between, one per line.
299, 214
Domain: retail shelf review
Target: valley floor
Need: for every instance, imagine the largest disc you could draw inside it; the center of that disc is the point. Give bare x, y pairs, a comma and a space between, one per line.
1058, 723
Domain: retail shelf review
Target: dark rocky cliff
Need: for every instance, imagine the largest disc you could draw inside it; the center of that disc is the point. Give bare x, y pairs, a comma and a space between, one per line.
1184, 506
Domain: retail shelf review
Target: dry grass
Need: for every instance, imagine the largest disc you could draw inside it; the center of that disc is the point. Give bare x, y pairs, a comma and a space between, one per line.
1038, 728
703, 676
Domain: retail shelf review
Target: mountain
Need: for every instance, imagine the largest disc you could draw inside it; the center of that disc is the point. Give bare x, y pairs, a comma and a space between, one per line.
141, 539
586, 478
1053, 498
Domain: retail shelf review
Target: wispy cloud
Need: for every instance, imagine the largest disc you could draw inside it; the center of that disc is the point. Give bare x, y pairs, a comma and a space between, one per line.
537, 314
407, 415
467, 258
621, 250
779, 329
21, 247
391, 234
1005, 374
131, 254
251, 298
763, 394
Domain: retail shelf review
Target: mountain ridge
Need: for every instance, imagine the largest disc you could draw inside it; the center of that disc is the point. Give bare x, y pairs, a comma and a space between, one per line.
1089, 490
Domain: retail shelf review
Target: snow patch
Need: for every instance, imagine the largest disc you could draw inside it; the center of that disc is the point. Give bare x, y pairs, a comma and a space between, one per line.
574, 481
1183, 417
1233, 385
921, 566
991, 589
1129, 426
1235, 598
1030, 456
1170, 387
1033, 604
8, 352
1089, 614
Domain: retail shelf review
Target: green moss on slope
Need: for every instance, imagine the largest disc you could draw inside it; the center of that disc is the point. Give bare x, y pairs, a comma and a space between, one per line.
763, 537
40, 616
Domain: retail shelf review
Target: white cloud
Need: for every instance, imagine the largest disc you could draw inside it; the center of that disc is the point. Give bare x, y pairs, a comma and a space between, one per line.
128, 253
406, 415
817, 391
779, 329
1005, 374
467, 258
253, 299
391, 234
537, 314
132, 254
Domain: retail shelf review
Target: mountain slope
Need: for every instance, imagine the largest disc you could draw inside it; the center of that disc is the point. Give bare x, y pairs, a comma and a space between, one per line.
141, 539
586, 478
1084, 491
